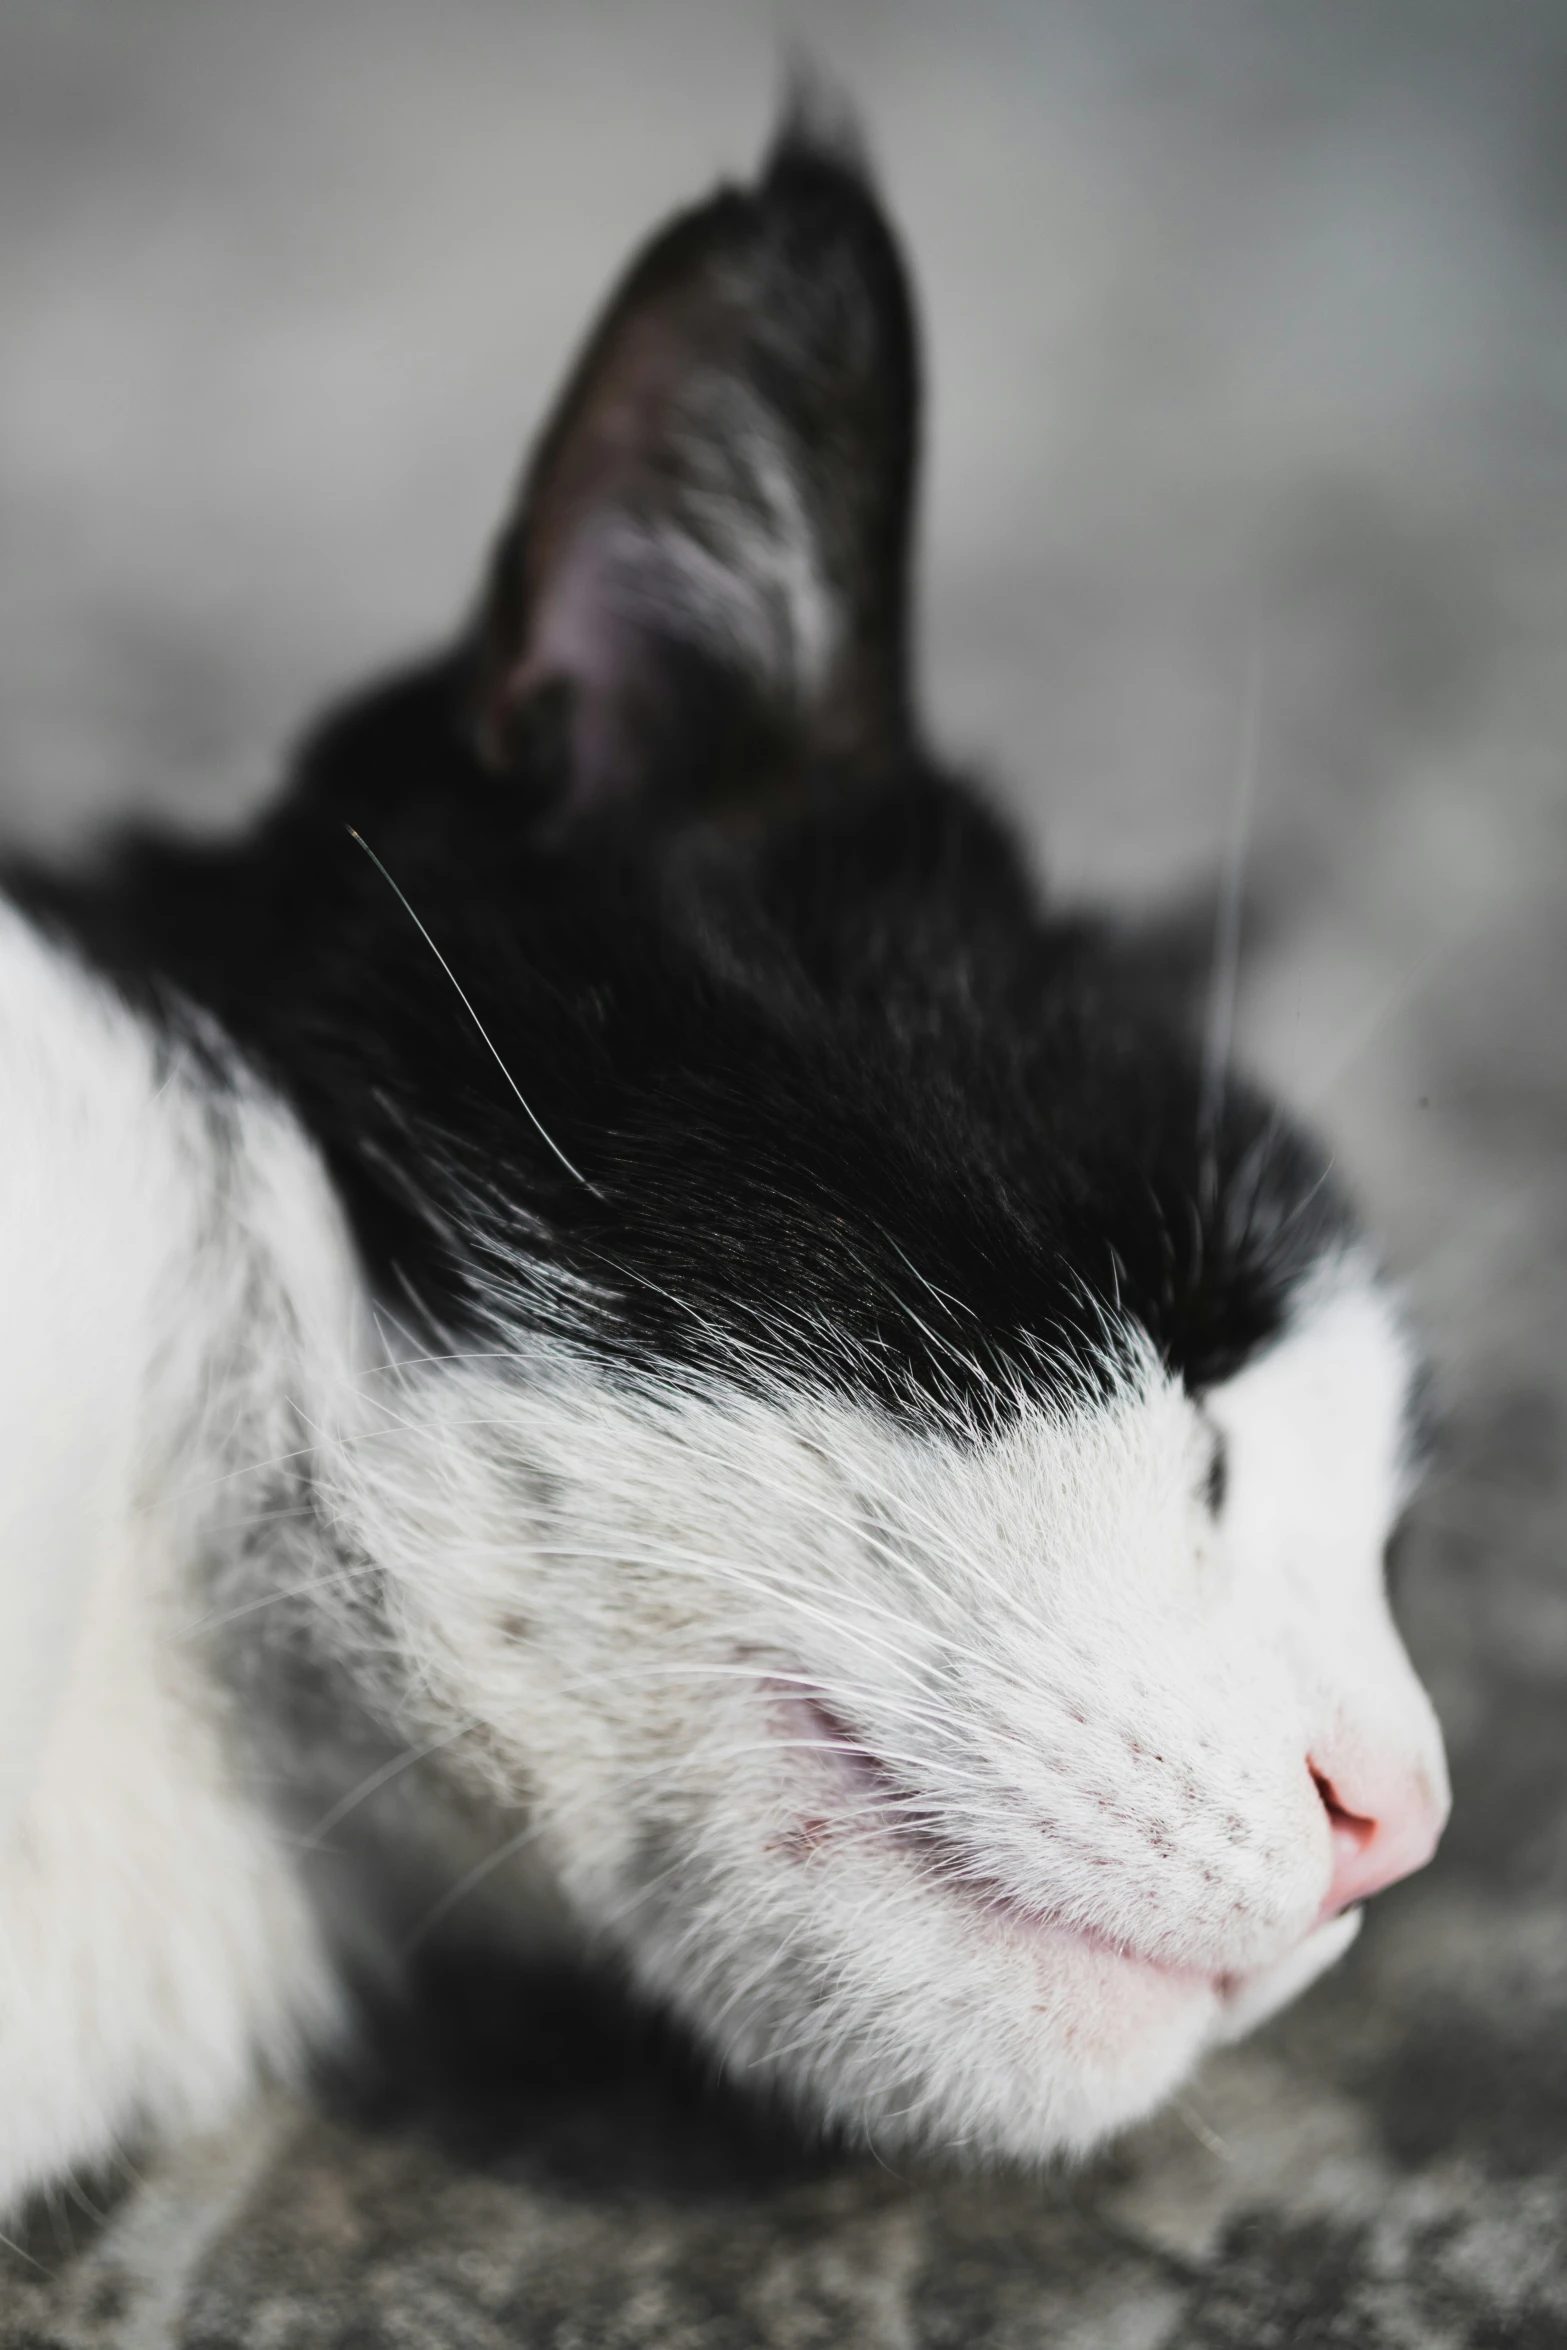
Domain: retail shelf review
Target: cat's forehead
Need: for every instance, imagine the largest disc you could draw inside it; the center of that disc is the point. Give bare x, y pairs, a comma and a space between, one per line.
954, 1158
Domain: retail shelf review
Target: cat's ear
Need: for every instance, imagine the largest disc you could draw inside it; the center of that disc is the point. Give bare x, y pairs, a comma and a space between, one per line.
707, 568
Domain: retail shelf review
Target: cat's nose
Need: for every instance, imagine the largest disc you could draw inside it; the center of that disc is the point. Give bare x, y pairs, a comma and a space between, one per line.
1385, 1822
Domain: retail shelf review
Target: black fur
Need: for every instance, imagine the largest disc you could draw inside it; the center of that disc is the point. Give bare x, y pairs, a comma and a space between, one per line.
823, 1084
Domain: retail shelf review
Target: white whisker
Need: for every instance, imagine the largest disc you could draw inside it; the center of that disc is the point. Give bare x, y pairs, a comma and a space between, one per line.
467, 1006
1224, 979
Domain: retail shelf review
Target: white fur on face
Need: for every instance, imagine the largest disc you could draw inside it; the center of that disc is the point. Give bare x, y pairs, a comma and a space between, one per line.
961, 1786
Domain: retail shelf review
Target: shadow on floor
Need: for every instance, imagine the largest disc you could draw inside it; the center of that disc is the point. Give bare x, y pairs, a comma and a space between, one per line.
552, 2074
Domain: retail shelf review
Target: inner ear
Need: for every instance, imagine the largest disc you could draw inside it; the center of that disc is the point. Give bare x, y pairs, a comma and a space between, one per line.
707, 570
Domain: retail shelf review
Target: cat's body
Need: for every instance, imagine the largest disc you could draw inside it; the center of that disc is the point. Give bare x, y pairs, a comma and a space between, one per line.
609, 1298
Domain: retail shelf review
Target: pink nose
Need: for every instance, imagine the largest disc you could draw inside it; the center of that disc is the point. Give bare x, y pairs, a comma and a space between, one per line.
1385, 1825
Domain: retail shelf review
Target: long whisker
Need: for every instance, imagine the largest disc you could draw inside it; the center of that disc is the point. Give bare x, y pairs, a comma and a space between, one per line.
469, 1882
528, 1110
499, 1854
923, 1520
924, 1713
773, 1588
1218, 1039
376, 1781
214, 1621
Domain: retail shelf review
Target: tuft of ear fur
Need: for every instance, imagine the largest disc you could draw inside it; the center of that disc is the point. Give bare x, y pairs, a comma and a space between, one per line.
706, 576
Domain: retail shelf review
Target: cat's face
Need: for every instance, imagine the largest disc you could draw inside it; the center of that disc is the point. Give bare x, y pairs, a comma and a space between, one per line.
967, 1787
910, 1522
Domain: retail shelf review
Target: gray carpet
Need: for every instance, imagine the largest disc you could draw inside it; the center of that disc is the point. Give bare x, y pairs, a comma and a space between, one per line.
1249, 336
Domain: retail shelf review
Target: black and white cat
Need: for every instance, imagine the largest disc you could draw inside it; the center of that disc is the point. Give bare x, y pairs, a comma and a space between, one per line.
652, 1334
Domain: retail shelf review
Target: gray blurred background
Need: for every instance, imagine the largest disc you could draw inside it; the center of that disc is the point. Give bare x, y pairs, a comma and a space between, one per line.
1248, 368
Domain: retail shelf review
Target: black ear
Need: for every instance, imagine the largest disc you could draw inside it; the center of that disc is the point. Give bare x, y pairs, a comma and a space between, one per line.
709, 559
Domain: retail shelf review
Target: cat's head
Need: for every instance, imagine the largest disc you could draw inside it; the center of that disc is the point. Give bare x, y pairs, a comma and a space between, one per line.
903, 1487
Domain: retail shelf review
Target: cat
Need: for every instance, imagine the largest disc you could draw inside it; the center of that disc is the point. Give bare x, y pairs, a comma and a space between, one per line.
616, 1330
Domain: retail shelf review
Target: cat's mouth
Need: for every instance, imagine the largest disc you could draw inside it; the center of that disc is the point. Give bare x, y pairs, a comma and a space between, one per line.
880, 1798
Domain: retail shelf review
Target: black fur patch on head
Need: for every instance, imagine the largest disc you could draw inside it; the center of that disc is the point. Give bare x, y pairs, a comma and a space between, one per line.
838, 1093
752, 1044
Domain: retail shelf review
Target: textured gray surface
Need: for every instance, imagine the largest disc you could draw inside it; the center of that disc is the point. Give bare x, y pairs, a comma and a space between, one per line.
1250, 345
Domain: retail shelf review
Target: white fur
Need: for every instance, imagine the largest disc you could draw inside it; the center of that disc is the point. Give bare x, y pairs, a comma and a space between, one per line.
955, 1782
154, 1941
